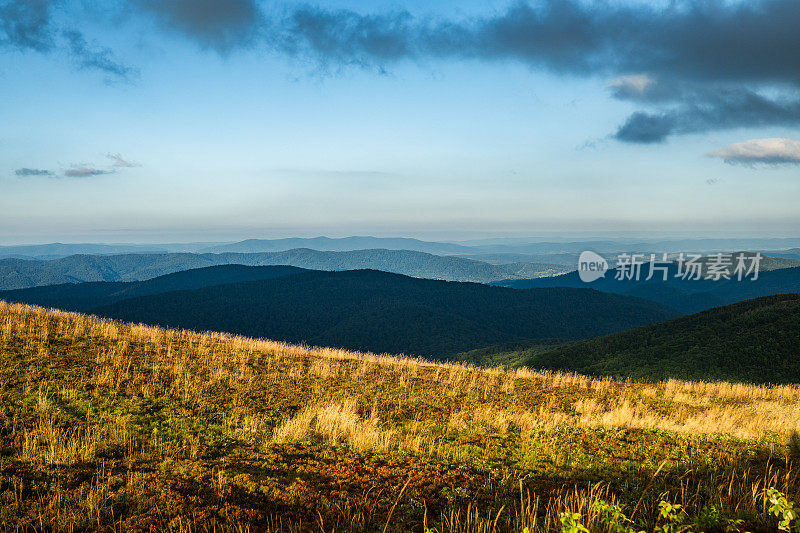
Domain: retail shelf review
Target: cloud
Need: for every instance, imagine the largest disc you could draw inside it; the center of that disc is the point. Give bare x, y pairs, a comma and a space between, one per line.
120, 162
347, 38
28, 25
709, 41
26, 172
700, 41
691, 66
85, 172
646, 128
773, 151
221, 25
720, 58
631, 86
707, 111
102, 59
24, 25
82, 170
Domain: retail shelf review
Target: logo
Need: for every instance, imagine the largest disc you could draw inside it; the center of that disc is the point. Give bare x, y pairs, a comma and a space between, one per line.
591, 266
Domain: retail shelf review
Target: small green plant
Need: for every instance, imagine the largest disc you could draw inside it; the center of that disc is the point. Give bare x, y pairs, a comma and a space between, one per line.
614, 518
672, 517
571, 523
712, 518
733, 525
784, 510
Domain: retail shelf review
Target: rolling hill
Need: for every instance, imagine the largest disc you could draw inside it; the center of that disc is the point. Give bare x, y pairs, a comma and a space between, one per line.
24, 273
756, 341
792, 253
56, 250
687, 296
88, 295
361, 309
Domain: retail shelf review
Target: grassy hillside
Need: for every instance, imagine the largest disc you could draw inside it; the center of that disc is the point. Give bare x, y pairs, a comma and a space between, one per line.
107, 426
382, 312
757, 341
26, 273
508, 354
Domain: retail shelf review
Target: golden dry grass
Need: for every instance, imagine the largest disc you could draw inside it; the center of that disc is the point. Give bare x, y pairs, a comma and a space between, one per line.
90, 391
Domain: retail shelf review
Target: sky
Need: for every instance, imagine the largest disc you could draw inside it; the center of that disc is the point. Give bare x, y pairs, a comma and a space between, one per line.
188, 120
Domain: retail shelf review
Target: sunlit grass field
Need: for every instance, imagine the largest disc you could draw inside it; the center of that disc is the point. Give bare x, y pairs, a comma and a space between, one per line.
116, 427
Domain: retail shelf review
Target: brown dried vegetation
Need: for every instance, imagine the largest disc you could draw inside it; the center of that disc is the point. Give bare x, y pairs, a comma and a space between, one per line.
109, 426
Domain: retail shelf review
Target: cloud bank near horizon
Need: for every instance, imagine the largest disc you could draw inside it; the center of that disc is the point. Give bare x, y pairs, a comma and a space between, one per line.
80, 170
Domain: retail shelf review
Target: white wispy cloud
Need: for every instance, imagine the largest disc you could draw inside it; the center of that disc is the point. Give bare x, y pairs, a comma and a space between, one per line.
632, 85
771, 151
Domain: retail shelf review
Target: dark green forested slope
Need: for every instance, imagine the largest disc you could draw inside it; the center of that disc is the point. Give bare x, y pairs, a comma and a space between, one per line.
382, 312
753, 341
86, 296
685, 295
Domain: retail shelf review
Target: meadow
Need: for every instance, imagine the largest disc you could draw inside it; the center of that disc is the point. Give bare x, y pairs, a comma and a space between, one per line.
107, 426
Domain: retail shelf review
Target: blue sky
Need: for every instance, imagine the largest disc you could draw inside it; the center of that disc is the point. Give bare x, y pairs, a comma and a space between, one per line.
155, 127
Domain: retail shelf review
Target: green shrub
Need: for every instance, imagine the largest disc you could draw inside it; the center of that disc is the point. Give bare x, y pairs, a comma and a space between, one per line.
784, 510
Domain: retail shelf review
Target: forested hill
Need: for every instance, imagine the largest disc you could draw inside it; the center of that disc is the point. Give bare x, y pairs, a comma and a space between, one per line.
86, 296
754, 341
687, 296
383, 312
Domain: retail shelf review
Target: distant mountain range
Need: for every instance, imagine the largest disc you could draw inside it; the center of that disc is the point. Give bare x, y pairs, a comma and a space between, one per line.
357, 309
687, 296
754, 341
344, 244
507, 250
23, 273
792, 253
57, 250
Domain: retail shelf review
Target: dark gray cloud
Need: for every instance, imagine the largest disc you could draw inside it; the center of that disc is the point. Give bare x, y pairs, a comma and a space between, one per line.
706, 41
348, 38
692, 66
707, 111
718, 56
85, 172
26, 172
25, 25
29, 25
646, 128
96, 58
221, 25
